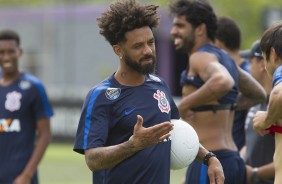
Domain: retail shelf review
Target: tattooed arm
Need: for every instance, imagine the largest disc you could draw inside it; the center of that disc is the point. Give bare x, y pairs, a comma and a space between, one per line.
252, 93
108, 157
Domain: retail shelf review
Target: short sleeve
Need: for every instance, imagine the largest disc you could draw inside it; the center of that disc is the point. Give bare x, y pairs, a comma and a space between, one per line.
93, 125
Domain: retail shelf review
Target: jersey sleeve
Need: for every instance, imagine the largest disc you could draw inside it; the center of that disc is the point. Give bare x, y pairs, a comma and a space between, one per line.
93, 125
277, 76
41, 105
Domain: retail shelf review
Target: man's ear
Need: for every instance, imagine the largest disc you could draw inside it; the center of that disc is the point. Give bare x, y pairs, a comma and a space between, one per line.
118, 50
274, 55
201, 29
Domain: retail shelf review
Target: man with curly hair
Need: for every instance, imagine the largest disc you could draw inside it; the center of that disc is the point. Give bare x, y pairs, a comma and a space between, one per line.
210, 87
125, 123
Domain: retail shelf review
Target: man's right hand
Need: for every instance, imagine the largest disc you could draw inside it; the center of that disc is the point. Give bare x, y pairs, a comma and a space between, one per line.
144, 137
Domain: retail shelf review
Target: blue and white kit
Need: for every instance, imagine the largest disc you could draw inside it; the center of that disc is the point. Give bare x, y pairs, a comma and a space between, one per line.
108, 117
22, 103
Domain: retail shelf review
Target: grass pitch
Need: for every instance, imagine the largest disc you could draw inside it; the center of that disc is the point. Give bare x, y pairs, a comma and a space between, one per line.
61, 165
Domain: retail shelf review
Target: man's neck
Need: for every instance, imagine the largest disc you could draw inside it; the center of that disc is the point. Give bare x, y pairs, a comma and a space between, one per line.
129, 78
8, 78
266, 83
199, 44
236, 57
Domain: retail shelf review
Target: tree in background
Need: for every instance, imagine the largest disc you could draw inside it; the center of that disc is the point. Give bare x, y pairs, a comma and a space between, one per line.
249, 14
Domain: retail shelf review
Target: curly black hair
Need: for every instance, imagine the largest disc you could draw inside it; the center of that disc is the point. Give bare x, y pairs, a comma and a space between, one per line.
196, 13
124, 16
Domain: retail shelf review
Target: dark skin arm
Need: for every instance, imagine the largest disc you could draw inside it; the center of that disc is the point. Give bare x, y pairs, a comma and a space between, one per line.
217, 80
108, 157
265, 172
215, 171
44, 137
252, 93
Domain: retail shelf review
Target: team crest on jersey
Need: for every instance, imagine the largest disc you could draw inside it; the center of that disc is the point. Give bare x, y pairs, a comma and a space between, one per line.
13, 102
24, 84
112, 93
162, 101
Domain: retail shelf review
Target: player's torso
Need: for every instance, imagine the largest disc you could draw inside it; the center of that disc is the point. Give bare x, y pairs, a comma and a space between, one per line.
17, 127
150, 100
214, 128
15, 106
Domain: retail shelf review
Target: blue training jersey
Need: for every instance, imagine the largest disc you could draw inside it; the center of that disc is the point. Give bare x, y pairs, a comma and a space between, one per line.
227, 62
22, 103
108, 117
230, 65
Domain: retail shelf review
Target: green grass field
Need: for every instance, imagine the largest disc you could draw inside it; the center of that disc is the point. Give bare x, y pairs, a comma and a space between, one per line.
61, 165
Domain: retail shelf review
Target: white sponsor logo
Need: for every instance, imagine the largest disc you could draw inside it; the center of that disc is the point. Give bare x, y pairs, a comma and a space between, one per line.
9, 125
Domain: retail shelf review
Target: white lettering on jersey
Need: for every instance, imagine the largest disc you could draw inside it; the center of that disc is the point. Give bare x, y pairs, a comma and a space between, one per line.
9, 125
13, 102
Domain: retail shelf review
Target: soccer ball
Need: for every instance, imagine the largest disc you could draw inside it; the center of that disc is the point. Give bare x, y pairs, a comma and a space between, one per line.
184, 144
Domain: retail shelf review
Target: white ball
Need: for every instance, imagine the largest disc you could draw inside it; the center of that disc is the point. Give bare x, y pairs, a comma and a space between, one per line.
184, 144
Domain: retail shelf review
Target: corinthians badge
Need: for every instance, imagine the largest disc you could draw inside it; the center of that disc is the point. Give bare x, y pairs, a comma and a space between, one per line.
162, 101
13, 102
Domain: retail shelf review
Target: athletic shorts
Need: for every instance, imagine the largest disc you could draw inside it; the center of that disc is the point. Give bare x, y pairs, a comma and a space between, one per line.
233, 166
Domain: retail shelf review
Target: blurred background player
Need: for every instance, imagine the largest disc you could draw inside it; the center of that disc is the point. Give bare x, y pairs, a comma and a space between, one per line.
125, 123
210, 87
258, 152
271, 119
24, 116
228, 38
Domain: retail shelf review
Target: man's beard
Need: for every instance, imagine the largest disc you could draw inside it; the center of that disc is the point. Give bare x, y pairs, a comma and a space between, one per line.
188, 45
138, 67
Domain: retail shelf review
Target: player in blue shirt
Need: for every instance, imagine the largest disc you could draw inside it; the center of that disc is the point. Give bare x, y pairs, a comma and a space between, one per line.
210, 87
24, 116
125, 123
271, 119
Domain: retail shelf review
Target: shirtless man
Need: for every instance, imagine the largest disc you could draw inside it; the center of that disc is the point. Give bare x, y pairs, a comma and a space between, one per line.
271, 119
210, 88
